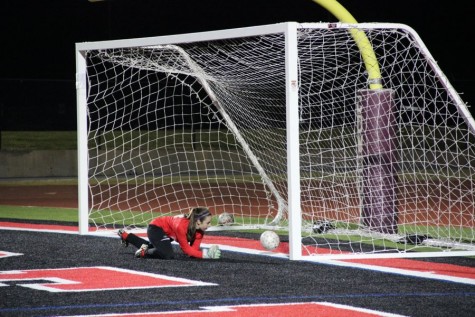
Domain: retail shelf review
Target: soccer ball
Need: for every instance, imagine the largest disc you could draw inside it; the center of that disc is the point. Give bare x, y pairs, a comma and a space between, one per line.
270, 240
322, 226
225, 219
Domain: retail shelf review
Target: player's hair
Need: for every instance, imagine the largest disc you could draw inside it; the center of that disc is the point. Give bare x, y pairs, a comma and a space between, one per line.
195, 214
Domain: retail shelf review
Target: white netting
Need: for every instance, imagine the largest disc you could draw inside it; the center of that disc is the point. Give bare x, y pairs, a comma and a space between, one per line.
204, 123
430, 161
160, 137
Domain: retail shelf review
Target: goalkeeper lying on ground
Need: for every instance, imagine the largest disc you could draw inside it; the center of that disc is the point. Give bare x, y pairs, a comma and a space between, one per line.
187, 230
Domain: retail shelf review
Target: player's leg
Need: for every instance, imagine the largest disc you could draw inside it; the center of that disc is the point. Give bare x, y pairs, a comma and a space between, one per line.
131, 238
161, 243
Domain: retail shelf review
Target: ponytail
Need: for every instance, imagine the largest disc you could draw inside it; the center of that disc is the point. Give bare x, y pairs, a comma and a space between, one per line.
197, 213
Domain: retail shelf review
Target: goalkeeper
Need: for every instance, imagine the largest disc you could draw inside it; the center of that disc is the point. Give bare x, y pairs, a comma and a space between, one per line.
187, 230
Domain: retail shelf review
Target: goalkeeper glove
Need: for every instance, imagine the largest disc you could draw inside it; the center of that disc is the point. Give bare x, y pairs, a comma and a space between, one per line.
212, 253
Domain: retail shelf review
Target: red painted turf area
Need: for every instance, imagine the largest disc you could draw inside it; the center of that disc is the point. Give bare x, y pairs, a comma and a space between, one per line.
91, 279
421, 266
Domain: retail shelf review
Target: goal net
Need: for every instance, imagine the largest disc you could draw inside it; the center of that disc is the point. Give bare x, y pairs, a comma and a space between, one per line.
279, 126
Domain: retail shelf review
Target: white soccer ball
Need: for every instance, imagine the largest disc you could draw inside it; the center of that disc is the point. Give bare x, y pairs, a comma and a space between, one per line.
270, 240
322, 226
225, 219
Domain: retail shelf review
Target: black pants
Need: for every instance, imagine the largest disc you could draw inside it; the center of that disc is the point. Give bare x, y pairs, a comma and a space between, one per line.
159, 244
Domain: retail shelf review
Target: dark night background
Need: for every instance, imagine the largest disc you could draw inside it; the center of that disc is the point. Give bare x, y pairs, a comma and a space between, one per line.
37, 76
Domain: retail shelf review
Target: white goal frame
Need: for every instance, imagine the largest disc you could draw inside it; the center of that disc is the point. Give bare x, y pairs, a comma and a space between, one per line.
292, 205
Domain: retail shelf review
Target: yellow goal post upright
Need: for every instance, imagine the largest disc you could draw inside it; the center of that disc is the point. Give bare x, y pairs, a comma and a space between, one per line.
280, 126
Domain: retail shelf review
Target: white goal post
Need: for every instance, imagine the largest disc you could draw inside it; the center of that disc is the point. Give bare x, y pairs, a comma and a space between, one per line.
280, 126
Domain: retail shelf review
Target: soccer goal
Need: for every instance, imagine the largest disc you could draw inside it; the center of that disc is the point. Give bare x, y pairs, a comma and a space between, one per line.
353, 150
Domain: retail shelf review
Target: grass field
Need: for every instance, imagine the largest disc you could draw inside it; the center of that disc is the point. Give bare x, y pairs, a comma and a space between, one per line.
38, 140
67, 140
39, 213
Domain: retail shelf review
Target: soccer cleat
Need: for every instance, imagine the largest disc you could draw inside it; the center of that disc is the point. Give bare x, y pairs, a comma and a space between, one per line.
142, 251
122, 234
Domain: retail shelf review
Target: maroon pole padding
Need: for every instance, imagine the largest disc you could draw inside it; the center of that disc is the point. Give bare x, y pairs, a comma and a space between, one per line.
379, 158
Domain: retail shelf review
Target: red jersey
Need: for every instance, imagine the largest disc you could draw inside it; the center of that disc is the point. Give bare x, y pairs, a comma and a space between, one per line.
176, 227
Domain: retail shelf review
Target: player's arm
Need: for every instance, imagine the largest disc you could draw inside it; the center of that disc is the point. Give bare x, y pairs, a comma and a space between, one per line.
183, 242
194, 251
